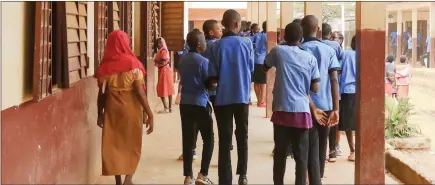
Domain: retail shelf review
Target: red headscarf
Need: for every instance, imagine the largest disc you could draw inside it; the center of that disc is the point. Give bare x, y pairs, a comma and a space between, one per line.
118, 56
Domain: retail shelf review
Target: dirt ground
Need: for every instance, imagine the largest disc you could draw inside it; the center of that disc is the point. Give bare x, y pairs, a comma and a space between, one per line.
159, 164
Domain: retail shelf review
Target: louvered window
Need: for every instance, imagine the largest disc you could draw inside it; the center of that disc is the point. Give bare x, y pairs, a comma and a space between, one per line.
173, 24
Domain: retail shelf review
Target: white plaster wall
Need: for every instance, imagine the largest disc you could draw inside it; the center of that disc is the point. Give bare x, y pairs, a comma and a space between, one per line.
16, 36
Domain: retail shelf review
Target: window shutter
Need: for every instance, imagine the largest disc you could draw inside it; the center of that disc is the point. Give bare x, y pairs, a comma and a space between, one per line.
101, 32
75, 47
121, 17
42, 72
172, 24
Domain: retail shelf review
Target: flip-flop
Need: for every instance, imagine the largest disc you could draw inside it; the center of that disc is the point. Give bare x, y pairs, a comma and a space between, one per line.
165, 111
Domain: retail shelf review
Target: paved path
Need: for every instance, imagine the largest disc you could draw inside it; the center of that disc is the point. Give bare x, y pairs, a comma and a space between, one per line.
159, 164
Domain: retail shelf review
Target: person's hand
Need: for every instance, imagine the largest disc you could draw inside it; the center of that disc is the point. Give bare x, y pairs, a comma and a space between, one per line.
333, 118
100, 121
321, 117
150, 125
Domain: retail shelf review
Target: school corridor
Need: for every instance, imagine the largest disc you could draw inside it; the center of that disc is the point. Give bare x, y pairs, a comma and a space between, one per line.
52, 50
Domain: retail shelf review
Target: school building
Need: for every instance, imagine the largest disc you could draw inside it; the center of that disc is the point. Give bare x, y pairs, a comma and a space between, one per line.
51, 50
415, 20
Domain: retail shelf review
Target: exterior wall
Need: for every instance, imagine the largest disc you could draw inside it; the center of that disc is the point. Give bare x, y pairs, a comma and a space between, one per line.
204, 14
17, 53
55, 140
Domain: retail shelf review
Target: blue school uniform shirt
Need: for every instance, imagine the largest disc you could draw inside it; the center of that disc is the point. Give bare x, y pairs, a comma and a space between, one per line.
193, 70
348, 72
326, 61
260, 43
336, 46
208, 53
428, 44
232, 65
295, 71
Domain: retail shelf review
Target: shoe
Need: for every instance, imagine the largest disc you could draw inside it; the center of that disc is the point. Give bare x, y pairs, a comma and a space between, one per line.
202, 180
332, 156
195, 157
337, 151
189, 181
243, 180
351, 156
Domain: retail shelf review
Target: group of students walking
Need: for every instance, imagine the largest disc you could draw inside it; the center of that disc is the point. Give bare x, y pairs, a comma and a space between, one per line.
305, 103
215, 76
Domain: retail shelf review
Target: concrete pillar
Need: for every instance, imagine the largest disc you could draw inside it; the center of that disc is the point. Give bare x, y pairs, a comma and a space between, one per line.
370, 133
262, 13
399, 35
286, 13
271, 8
432, 34
387, 50
249, 16
315, 8
414, 37
254, 12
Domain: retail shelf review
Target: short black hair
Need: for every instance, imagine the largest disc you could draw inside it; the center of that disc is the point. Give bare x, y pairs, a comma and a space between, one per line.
193, 38
309, 24
229, 17
390, 58
293, 32
208, 26
254, 26
353, 43
297, 21
265, 26
326, 29
196, 30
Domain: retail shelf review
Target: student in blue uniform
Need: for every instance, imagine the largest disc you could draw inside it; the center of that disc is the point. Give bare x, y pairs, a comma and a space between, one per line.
195, 110
327, 39
259, 76
347, 102
326, 100
186, 51
254, 30
296, 75
231, 69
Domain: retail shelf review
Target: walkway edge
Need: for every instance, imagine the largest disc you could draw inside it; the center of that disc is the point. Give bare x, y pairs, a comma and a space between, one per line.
402, 167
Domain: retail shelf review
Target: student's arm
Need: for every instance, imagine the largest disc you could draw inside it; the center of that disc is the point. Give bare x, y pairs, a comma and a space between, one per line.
251, 56
141, 96
315, 76
271, 59
213, 73
101, 103
204, 72
333, 68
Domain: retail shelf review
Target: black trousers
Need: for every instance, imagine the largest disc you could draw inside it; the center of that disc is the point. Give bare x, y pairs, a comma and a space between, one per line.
299, 140
224, 118
317, 152
193, 117
333, 137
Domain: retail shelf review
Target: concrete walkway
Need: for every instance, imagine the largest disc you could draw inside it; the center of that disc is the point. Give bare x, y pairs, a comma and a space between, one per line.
159, 164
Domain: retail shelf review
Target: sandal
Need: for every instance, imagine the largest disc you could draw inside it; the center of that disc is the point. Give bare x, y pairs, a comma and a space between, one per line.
164, 111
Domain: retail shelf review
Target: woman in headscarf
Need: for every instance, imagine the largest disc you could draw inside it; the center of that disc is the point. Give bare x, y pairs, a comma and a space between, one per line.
121, 104
165, 83
403, 75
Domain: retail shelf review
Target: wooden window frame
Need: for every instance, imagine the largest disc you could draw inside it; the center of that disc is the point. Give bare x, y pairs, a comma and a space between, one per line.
42, 70
101, 32
122, 12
